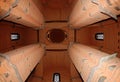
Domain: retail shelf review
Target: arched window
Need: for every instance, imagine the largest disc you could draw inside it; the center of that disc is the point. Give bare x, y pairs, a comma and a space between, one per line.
99, 36
15, 36
56, 77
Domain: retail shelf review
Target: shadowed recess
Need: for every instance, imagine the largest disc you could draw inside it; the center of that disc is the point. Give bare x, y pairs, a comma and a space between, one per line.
56, 35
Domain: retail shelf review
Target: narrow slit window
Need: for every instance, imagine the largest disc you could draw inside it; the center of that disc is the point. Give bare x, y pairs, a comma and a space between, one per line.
15, 36
56, 77
99, 36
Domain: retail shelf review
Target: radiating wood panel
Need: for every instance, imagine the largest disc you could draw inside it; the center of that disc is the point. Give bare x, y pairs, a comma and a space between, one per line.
31, 36
51, 14
56, 59
5, 42
56, 14
56, 62
57, 9
119, 37
27, 36
83, 36
110, 30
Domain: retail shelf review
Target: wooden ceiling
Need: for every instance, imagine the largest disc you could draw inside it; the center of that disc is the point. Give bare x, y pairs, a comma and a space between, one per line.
58, 59
57, 3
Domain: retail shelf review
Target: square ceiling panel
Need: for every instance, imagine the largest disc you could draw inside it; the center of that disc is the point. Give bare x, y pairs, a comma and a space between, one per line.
56, 36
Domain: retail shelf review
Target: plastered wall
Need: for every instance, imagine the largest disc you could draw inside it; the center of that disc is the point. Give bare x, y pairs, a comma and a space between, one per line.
27, 36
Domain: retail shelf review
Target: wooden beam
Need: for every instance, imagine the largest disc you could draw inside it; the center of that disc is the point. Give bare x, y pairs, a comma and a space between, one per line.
94, 65
24, 12
16, 65
87, 12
